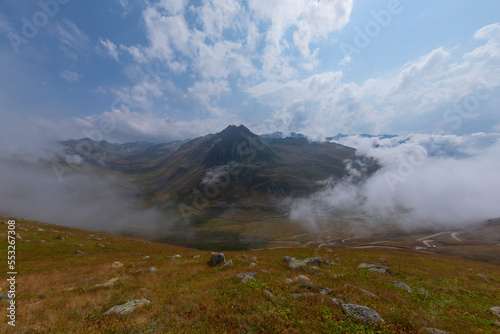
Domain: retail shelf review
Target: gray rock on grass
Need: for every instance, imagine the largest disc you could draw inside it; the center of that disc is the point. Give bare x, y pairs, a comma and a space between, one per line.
402, 285
362, 314
217, 259
247, 276
128, 307
375, 268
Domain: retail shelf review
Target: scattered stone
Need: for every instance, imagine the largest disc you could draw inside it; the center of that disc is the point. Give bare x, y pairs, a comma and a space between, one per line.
128, 307
302, 278
374, 268
254, 259
423, 292
196, 257
117, 264
329, 251
42, 241
253, 264
402, 285
287, 259
265, 271
314, 268
60, 238
495, 310
336, 301
97, 239
362, 314
435, 331
247, 276
227, 264
317, 261
382, 260
111, 282
244, 256
5, 295
100, 245
175, 257
486, 278
40, 229
79, 252
368, 293
296, 264
288, 281
145, 257
18, 236
151, 269
217, 259
268, 293
69, 289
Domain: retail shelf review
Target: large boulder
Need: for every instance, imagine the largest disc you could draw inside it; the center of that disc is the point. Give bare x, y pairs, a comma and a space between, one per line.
217, 259
362, 314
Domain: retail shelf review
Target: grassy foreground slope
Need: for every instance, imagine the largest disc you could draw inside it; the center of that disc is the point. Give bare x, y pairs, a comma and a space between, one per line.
56, 293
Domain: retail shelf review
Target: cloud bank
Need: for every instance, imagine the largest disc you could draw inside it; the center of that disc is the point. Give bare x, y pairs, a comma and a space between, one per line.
425, 181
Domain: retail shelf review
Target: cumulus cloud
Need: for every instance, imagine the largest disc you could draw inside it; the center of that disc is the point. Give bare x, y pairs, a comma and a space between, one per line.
429, 93
424, 180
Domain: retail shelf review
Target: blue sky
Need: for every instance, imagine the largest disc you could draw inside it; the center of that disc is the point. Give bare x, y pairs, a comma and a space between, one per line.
128, 70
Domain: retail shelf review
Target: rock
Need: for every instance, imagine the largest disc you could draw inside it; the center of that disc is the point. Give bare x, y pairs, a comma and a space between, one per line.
268, 293
227, 264
97, 239
288, 281
265, 271
423, 292
196, 257
217, 259
435, 331
151, 269
79, 252
5, 295
486, 278
317, 261
382, 260
111, 282
145, 257
100, 245
60, 238
368, 293
302, 278
296, 264
254, 259
402, 285
117, 264
253, 264
336, 301
40, 229
495, 310
374, 268
287, 259
175, 257
314, 268
247, 276
362, 314
128, 307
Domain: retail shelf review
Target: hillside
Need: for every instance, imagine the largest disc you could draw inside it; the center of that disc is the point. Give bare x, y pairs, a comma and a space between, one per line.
60, 268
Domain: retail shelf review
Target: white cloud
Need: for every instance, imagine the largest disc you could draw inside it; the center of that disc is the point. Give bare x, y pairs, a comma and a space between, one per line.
74, 42
424, 180
447, 94
70, 76
110, 48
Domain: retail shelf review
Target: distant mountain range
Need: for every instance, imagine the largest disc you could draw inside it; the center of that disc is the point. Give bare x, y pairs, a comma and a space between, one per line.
234, 169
